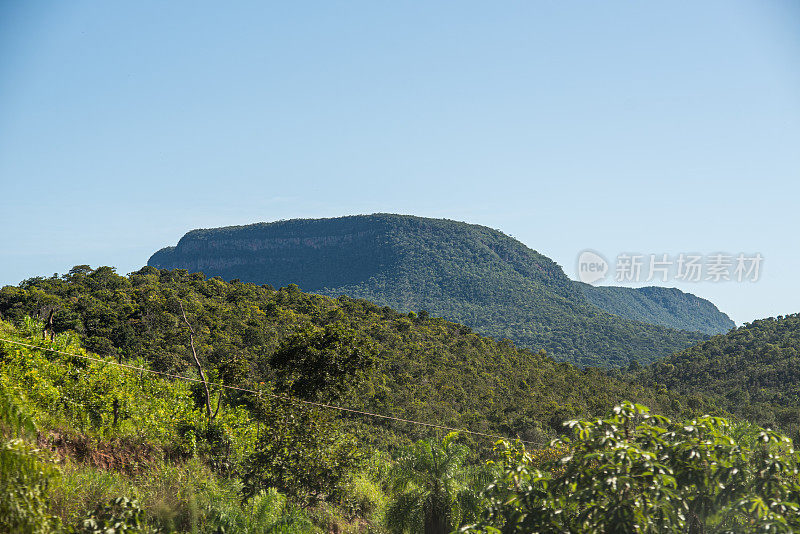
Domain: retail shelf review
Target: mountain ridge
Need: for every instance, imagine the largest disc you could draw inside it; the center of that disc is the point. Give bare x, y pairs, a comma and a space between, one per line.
667, 306
464, 272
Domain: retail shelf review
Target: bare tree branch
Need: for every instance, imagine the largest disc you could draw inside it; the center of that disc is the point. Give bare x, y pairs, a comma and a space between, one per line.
199, 367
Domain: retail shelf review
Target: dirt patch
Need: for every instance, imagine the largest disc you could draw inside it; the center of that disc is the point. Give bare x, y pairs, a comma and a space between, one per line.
126, 455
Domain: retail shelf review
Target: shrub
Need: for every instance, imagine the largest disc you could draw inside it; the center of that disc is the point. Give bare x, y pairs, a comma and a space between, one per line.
637, 472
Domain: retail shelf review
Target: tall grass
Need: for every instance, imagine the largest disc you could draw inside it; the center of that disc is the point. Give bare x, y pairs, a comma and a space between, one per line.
185, 497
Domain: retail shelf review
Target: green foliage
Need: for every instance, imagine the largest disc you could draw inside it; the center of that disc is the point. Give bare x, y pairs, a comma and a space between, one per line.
315, 360
97, 398
752, 371
186, 497
302, 452
434, 490
637, 472
162, 452
269, 511
376, 359
13, 415
362, 496
24, 479
24, 475
466, 273
666, 306
123, 432
119, 516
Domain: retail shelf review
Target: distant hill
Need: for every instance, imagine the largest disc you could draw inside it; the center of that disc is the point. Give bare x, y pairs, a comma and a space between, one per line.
752, 371
463, 272
666, 306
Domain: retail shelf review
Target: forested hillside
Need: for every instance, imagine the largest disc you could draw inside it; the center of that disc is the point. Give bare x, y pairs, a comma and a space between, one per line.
466, 273
410, 365
667, 306
753, 371
89, 445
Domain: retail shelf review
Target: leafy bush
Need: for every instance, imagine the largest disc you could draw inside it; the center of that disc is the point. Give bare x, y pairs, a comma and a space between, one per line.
637, 472
119, 516
302, 452
24, 473
363, 497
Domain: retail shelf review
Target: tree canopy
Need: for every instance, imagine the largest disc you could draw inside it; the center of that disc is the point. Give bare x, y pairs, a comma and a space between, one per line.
367, 356
752, 371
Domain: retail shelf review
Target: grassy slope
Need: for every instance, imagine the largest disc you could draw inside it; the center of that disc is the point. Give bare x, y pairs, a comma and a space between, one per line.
149, 454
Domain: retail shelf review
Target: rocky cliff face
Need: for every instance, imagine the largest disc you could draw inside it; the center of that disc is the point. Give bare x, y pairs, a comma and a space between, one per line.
217, 254
328, 253
277, 254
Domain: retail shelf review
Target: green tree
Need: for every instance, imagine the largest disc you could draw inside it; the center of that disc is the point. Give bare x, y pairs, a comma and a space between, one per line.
638, 472
315, 360
434, 490
303, 452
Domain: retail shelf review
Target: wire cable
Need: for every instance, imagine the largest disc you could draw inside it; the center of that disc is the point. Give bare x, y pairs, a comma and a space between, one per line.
281, 397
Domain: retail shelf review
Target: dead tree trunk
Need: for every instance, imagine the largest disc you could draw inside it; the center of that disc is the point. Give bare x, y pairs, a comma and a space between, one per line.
48, 326
199, 367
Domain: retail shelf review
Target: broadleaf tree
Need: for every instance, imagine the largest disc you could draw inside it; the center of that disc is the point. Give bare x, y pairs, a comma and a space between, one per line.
634, 471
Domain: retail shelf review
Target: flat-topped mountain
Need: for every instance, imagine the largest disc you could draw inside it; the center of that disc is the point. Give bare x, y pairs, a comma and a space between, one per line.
463, 272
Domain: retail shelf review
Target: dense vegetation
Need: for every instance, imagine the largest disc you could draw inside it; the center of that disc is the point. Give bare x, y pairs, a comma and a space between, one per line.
406, 365
89, 446
466, 273
635, 472
753, 371
667, 306
107, 449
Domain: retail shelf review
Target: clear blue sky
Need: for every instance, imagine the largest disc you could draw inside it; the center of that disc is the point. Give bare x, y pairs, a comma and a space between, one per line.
620, 126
